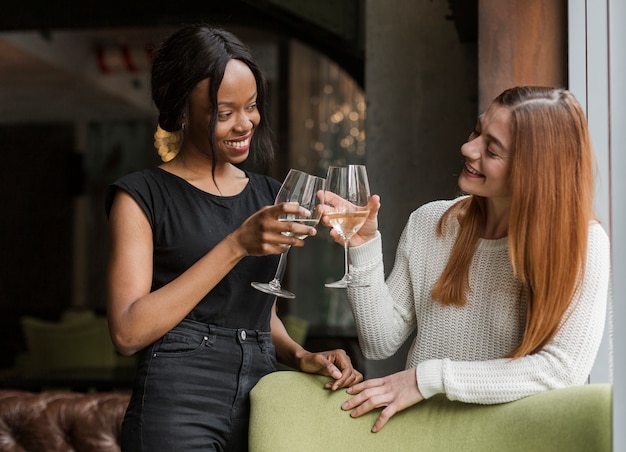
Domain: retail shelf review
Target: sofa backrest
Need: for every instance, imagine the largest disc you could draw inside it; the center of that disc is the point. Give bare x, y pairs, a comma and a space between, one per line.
61, 421
292, 411
77, 340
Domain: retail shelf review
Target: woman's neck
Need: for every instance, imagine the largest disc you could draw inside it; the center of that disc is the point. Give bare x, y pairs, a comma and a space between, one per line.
497, 221
221, 180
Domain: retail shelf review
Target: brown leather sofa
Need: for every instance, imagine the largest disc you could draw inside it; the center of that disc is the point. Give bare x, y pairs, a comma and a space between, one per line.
61, 421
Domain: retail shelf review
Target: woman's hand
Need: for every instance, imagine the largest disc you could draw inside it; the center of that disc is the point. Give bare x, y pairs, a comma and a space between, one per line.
369, 229
335, 364
263, 234
394, 392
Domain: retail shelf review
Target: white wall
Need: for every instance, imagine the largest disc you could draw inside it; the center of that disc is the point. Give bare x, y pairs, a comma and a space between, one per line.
597, 64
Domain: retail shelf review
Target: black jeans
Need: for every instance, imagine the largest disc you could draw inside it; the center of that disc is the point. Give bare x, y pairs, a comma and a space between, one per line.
192, 389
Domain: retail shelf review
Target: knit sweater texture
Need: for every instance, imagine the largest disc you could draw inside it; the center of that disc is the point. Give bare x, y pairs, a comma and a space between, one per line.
459, 350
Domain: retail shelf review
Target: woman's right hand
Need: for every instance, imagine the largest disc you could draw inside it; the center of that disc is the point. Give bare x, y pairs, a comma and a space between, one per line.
262, 234
367, 232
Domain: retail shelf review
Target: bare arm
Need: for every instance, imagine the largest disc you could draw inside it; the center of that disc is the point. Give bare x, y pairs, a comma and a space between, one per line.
138, 317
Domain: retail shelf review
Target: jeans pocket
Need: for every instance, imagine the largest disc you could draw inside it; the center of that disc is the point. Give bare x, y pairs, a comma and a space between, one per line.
179, 342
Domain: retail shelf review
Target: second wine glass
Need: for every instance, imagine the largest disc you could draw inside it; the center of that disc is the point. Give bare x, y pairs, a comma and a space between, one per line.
346, 200
302, 188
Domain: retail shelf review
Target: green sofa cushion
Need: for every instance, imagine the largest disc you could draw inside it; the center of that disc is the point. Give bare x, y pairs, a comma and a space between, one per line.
77, 341
291, 411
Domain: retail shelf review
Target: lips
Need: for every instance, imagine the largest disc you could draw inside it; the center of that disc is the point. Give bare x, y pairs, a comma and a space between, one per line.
239, 145
472, 171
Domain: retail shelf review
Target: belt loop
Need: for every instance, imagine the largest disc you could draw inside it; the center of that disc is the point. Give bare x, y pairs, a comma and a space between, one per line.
262, 340
211, 335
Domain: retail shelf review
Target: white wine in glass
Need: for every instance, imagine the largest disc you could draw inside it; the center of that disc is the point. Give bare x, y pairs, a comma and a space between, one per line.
301, 188
346, 200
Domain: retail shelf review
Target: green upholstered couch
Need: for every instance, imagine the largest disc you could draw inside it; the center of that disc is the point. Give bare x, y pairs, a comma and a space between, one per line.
292, 412
78, 340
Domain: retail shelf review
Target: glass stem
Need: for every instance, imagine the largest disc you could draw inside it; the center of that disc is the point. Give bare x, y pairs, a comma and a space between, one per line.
280, 271
346, 244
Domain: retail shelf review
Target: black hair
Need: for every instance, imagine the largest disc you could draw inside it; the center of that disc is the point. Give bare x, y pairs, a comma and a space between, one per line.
192, 54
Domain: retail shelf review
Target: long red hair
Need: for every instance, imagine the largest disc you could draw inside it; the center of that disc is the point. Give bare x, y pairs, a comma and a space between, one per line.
552, 185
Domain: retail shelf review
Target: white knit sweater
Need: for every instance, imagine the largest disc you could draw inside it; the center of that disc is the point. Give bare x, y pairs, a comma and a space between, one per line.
459, 350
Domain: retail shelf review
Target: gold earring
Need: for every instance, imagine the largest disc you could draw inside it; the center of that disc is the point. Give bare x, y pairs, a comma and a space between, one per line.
167, 143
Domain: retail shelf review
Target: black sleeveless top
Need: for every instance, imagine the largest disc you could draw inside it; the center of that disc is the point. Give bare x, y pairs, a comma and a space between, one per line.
188, 222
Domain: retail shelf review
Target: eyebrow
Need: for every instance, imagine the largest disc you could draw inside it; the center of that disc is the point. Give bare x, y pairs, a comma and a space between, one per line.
496, 141
232, 103
491, 137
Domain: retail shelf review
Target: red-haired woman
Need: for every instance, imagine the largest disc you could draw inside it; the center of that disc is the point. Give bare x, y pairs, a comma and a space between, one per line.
506, 287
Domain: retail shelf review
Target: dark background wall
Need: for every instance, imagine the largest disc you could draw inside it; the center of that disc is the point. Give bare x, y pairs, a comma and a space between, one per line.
37, 180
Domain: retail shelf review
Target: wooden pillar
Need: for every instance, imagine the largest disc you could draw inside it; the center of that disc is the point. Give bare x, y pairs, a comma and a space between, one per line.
520, 43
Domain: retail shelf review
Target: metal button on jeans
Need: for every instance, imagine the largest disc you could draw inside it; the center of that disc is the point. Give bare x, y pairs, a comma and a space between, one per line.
243, 335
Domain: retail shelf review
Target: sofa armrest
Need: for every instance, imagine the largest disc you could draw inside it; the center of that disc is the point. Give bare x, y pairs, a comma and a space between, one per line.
292, 411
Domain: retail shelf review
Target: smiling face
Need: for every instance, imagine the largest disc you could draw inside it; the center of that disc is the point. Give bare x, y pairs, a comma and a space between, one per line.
487, 155
237, 115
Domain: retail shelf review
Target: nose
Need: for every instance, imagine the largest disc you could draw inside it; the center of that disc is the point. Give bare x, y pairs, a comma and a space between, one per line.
471, 149
244, 123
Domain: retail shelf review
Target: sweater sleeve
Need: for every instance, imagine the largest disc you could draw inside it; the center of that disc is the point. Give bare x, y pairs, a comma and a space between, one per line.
384, 310
565, 361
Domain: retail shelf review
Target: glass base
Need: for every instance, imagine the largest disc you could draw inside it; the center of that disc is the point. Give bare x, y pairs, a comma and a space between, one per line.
273, 290
344, 283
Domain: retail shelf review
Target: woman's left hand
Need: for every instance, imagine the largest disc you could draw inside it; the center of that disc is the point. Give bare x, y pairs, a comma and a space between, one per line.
394, 392
335, 364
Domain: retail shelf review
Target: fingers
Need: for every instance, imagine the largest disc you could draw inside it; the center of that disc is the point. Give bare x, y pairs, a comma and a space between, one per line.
291, 208
369, 400
357, 389
331, 198
328, 359
295, 229
335, 364
340, 367
289, 224
349, 377
390, 408
393, 393
263, 233
374, 205
366, 233
385, 415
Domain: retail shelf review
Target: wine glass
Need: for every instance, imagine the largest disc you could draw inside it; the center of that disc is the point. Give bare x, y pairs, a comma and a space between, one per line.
302, 188
346, 206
